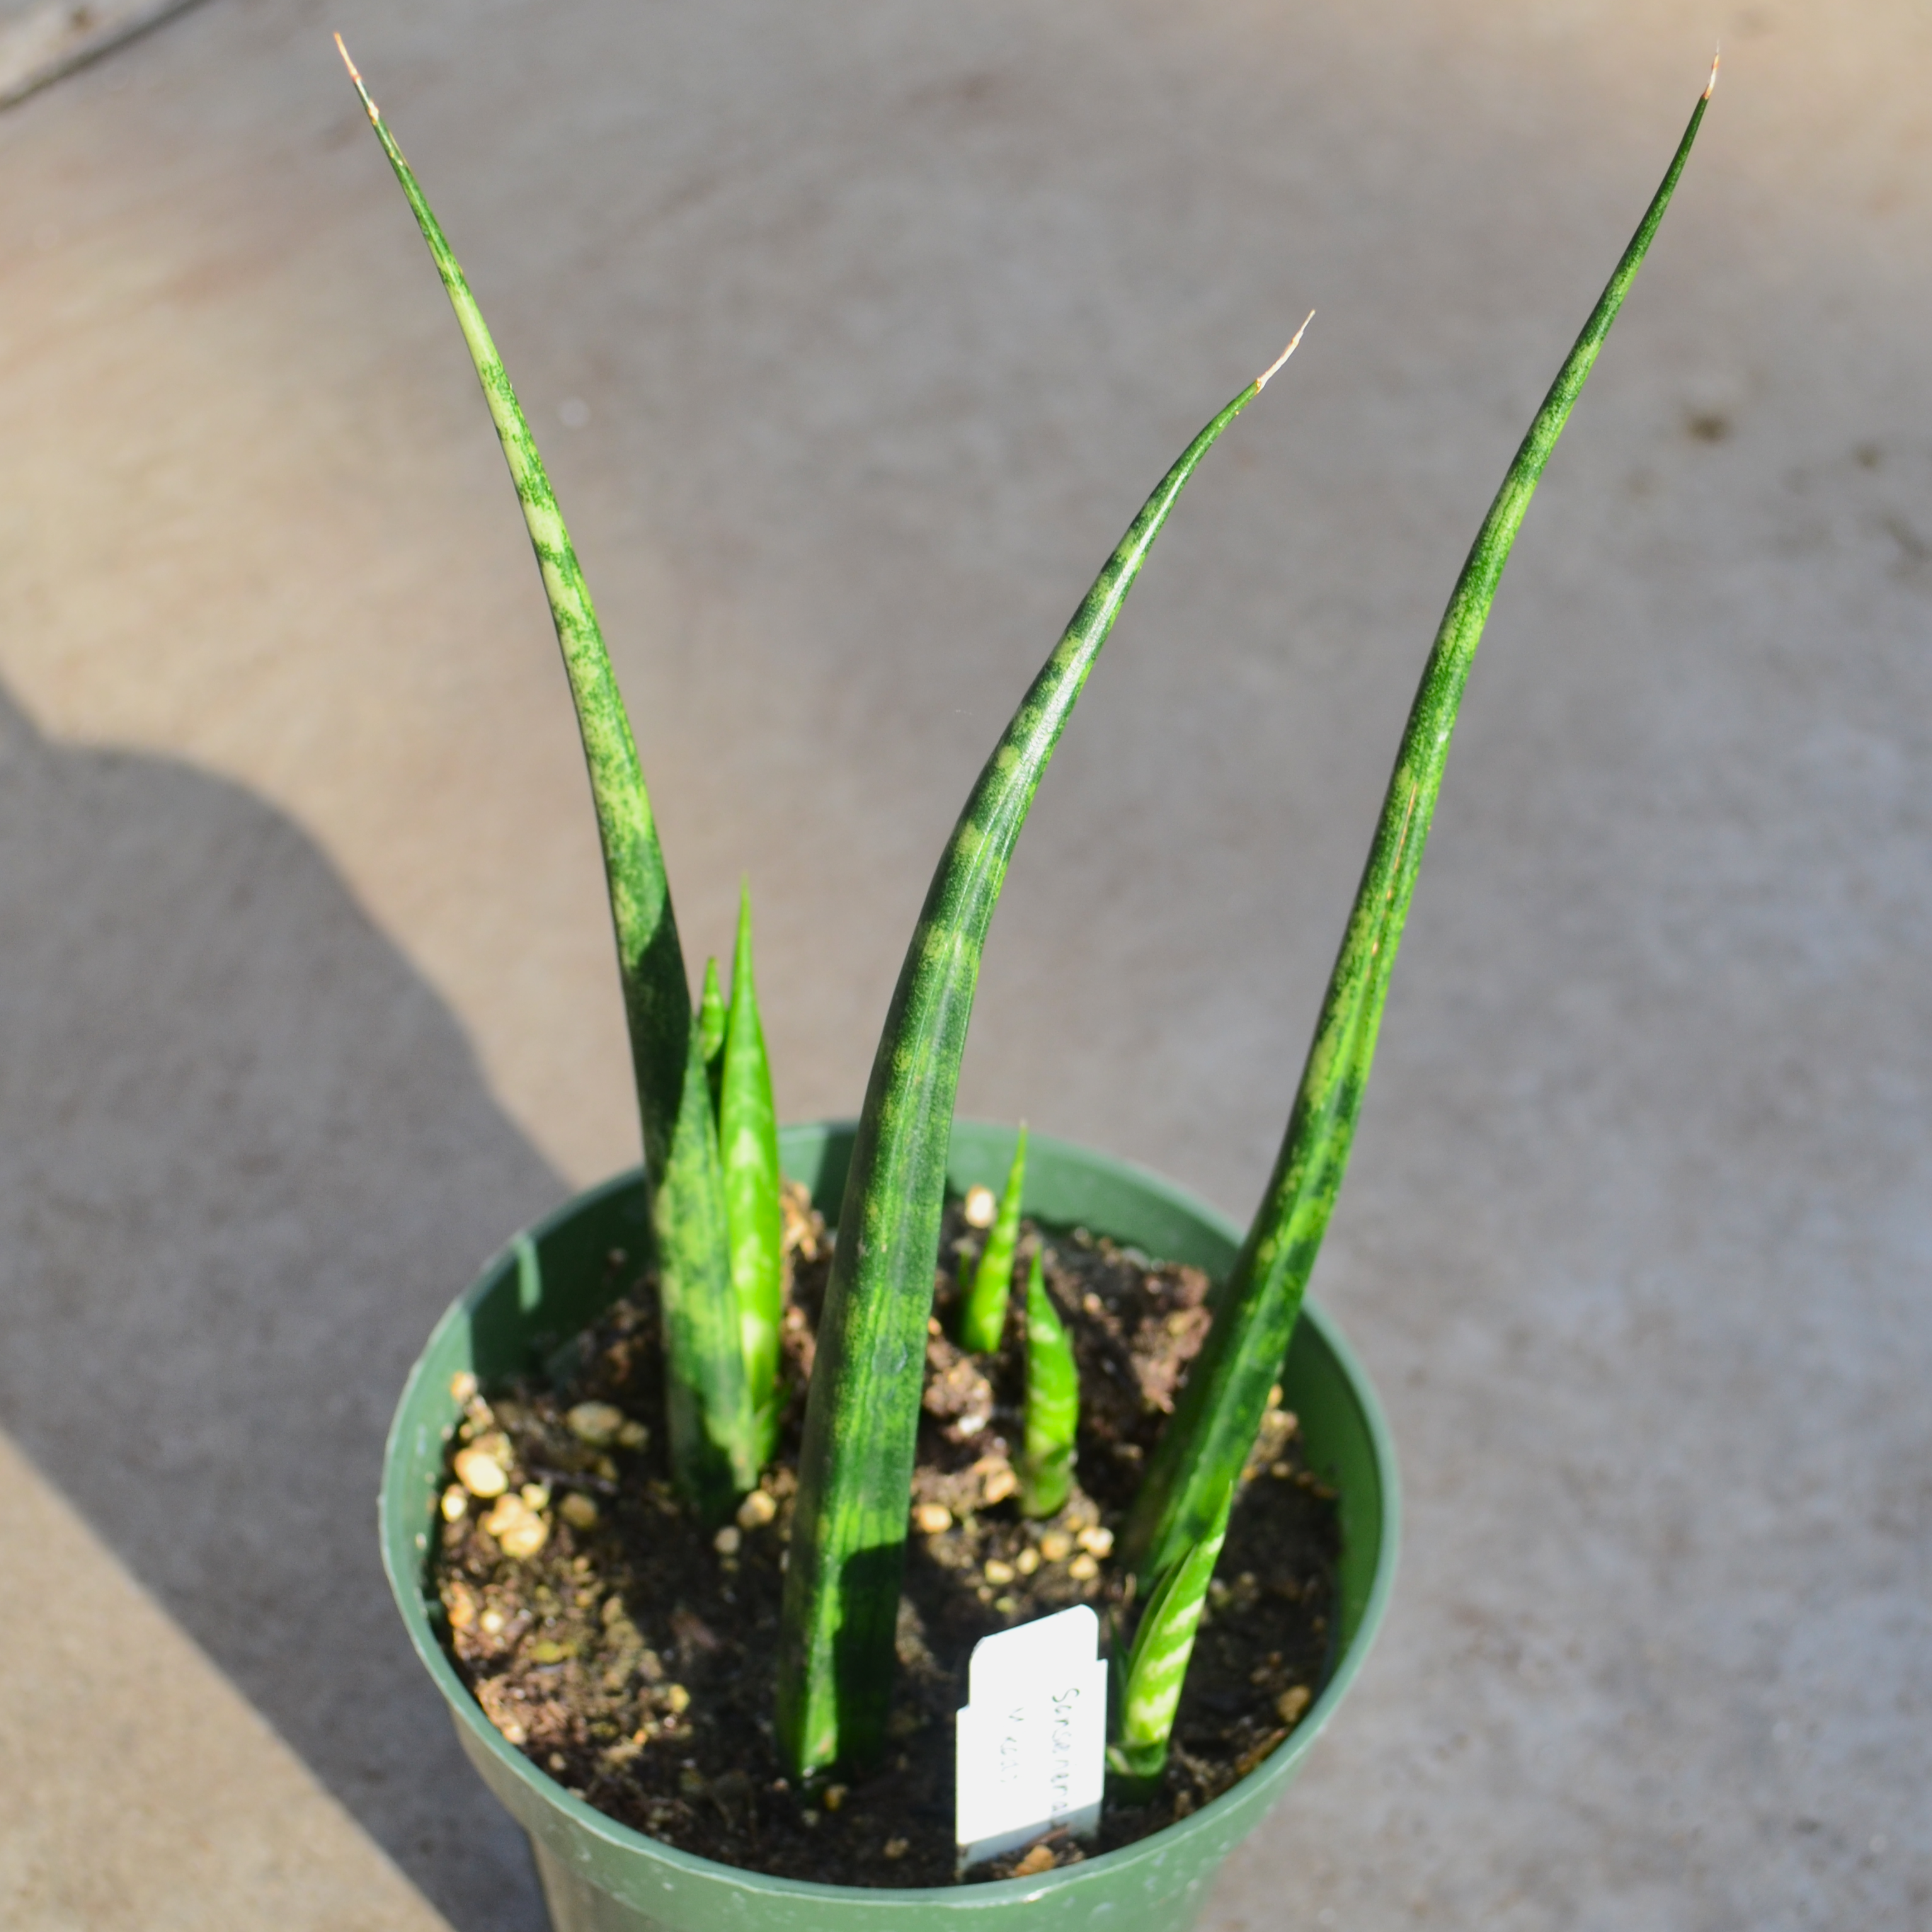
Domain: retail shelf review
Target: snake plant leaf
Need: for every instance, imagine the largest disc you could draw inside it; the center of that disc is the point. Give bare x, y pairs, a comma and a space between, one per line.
1052, 1403
711, 1022
748, 1142
1157, 1665
1214, 1423
984, 1322
847, 1547
709, 1416
709, 1413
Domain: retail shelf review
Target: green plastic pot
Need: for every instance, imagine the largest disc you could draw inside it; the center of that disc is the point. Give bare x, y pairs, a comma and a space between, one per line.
602, 1877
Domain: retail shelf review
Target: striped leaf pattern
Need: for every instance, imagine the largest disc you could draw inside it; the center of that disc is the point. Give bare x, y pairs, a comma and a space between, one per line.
708, 1408
847, 1548
1157, 1665
709, 1416
1052, 1403
748, 1142
1214, 1427
984, 1321
711, 1024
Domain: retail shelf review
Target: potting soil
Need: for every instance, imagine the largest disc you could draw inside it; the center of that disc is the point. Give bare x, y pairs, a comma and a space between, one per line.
628, 1650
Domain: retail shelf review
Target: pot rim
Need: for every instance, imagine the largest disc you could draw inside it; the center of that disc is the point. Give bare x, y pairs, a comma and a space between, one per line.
404, 1547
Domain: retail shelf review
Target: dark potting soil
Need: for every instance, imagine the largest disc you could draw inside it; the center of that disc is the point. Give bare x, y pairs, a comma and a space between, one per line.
628, 1651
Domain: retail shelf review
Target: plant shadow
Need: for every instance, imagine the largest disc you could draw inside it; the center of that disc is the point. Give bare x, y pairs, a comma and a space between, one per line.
247, 1157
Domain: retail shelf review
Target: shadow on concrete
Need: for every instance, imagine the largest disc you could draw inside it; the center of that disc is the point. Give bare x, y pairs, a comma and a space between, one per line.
246, 1156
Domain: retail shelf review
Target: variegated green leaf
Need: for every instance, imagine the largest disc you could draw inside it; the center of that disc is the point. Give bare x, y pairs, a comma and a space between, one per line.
1214, 1426
711, 1021
1157, 1665
1052, 1403
713, 1429
748, 1140
847, 1549
710, 1417
984, 1322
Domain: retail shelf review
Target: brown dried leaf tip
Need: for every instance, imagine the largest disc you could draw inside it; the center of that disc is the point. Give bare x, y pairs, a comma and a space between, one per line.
375, 112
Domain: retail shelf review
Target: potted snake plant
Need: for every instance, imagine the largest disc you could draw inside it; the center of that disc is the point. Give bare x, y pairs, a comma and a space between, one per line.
707, 1217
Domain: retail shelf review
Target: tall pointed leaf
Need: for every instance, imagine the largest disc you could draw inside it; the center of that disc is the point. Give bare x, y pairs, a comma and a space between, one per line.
847, 1549
708, 1415
1214, 1426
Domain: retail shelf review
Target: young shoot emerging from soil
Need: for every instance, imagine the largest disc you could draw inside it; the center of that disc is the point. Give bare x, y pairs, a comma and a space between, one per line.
624, 1643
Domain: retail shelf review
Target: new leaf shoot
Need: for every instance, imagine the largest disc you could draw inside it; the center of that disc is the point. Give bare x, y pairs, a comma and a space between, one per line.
711, 1030
748, 1140
984, 1321
1157, 1665
1052, 1403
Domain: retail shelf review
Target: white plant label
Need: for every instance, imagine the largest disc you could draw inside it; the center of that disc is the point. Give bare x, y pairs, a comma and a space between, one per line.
1032, 1737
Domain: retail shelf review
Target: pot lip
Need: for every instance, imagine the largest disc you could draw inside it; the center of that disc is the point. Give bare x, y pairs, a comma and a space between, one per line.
1255, 1792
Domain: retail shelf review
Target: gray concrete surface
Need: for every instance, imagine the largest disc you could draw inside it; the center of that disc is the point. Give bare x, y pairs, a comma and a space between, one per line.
40, 41
876, 322
141, 1792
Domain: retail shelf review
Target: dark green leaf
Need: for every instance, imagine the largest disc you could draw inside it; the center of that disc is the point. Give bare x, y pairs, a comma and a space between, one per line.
1214, 1423
710, 1422
847, 1549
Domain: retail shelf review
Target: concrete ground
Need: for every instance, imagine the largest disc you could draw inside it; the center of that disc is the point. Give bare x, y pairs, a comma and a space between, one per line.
855, 333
